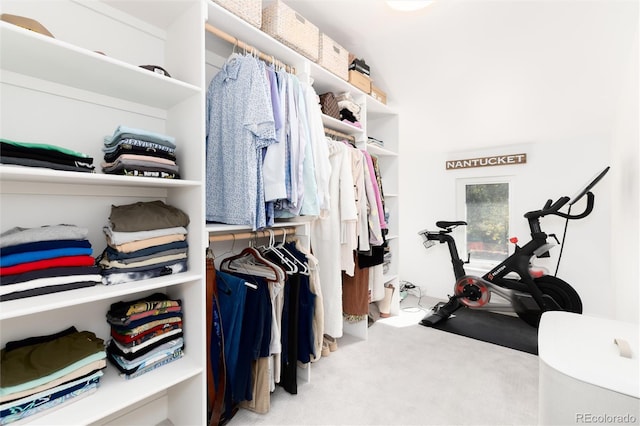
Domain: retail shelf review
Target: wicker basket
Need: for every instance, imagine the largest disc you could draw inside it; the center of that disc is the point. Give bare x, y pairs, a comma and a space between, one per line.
286, 25
333, 57
249, 10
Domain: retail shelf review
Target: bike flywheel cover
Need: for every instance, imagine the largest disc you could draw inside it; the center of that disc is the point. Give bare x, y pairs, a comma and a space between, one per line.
472, 291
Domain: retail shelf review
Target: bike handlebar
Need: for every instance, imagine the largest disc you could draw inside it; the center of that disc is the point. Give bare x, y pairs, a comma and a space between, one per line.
548, 208
552, 208
587, 211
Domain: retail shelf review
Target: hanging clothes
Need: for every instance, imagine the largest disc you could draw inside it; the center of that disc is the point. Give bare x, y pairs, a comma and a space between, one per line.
274, 161
377, 184
319, 149
240, 124
327, 235
316, 289
355, 293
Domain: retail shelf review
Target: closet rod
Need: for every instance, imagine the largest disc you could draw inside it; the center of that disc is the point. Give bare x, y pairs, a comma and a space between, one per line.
332, 132
242, 45
232, 236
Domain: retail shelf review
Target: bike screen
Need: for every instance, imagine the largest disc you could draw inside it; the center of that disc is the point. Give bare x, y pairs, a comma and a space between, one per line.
588, 187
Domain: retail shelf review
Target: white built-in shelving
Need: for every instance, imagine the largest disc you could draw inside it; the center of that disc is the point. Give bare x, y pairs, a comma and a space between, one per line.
60, 91
76, 88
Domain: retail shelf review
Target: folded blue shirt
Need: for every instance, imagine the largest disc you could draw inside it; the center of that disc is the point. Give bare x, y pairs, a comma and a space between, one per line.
32, 256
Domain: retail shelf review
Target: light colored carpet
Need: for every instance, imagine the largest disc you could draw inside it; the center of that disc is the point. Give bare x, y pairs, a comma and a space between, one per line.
407, 374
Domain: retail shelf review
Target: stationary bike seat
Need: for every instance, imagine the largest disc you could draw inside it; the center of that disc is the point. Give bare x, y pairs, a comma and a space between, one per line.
446, 225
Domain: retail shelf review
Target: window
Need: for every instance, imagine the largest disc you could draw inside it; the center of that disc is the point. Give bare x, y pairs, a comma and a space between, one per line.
485, 205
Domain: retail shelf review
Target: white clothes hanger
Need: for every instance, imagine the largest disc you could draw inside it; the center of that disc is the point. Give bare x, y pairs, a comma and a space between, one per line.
302, 267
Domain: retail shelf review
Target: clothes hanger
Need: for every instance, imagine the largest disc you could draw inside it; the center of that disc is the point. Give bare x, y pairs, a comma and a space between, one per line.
244, 262
303, 268
250, 261
291, 267
219, 256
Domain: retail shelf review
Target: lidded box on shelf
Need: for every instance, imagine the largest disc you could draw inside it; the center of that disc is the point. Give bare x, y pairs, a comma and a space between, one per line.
249, 10
333, 57
289, 27
360, 81
378, 94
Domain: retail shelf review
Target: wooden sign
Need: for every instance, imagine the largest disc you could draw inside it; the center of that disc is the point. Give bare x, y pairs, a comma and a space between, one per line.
496, 160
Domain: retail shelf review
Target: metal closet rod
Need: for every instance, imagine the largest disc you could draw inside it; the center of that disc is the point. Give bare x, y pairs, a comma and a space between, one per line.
245, 235
332, 132
242, 45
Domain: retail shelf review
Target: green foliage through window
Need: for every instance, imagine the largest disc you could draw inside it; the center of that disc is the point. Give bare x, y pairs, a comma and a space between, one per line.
488, 220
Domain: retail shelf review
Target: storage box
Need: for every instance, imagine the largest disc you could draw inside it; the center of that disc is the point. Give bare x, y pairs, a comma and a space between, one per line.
378, 94
333, 57
289, 27
249, 10
360, 81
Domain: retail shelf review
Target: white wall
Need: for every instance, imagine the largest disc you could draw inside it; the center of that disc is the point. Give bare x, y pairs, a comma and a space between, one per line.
625, 226
544, 77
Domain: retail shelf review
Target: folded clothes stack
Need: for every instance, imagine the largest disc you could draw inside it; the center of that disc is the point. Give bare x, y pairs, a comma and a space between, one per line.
46, 259
349, 109
44, 155
144, 240
145, 334
45, 372
137, 152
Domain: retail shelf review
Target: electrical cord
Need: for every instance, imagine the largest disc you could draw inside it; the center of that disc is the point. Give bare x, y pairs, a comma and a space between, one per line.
408, 287
564, 234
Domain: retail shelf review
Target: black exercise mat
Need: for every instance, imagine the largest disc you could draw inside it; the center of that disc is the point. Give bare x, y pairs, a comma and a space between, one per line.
499, 329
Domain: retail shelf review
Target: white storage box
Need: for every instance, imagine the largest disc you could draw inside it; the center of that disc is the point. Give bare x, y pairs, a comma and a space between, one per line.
289, 27
249, 10
585, 376
333, 57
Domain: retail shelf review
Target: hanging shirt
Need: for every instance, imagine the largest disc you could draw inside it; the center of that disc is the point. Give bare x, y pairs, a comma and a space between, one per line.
240, 124
376, 190
275, 156
306, 203
375, 232
327, 235
319, 149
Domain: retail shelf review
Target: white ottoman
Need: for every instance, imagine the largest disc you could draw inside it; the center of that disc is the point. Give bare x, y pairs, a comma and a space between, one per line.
584, 377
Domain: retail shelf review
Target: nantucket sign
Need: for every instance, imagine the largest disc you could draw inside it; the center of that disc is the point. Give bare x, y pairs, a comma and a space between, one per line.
496, 160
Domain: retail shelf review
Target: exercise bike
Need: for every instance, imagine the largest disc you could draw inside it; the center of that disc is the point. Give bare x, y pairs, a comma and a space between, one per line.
524, 293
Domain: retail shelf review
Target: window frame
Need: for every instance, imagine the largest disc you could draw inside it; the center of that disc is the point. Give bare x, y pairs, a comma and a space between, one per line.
460, 233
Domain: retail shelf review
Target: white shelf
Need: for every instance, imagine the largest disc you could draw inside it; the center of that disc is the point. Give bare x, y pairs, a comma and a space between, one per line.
115, 393
323, 79
38, 56
373, 149
11, 173
219, 228
341, 126
63, 299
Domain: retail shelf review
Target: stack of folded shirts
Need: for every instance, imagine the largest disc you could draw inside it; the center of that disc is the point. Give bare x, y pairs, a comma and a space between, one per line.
44, 155
137, 152
145, 334
144, 240
45, 259
43, 372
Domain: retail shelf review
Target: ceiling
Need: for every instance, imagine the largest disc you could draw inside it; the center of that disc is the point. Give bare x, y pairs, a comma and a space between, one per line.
371, 30
472, 73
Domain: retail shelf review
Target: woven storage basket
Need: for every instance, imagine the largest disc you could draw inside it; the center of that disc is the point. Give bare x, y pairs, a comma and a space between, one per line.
249, 10
333, 57
286, 25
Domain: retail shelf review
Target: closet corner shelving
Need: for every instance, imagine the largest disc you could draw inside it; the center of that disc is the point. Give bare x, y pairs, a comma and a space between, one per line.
378, 120
60, 91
